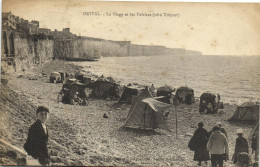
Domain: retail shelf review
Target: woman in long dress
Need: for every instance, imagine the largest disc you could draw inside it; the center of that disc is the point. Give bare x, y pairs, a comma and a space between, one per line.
201, 137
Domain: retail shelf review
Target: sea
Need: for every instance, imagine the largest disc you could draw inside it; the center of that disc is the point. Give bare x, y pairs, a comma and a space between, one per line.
235, 78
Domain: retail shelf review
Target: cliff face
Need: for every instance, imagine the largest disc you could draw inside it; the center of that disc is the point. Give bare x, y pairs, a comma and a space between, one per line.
88, 49
31, 52
145, 50
23, 52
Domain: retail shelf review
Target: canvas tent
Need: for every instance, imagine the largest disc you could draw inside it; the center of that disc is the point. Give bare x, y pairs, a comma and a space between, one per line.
105, 87
145, 93
206, 99
146, 112
165, 90
185, 95
164, 93
74, 92
130, 91
248, 111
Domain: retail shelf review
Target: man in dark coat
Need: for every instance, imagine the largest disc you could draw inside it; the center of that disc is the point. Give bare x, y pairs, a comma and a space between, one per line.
201, 137
36, 143
241, 145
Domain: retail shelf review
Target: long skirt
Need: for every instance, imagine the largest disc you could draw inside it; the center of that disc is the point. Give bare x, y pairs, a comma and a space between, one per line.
201, 154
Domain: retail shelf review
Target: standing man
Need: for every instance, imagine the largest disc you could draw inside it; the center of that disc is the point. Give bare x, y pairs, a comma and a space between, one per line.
36, 143
218, 147
241, 145
222, 130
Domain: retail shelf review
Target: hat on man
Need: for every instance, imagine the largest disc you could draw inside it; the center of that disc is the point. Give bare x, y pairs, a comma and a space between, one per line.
215, 128
240, 131
42, 109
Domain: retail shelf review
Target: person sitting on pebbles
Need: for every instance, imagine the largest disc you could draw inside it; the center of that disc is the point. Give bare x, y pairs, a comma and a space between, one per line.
37, 140
243, 160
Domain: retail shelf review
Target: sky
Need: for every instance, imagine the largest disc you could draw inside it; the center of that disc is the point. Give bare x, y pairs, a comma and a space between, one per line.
211, 28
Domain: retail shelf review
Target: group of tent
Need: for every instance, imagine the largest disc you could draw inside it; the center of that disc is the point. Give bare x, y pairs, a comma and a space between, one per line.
164, 93
78, 86
148, 113
108, 88
147, 105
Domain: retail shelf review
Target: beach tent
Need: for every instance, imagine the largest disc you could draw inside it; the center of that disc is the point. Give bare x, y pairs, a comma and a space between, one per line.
164, 93
146, 113
206, 99
145, 93
185, 95
73, 90
130, 91
165, 90
79, 76
105, 87
248, 111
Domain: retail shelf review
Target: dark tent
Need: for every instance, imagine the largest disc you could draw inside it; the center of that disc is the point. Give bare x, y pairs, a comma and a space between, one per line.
105, 88
79, 76
164, 93
208, 102
165, 90
185, 95
248, 111
73, 92
130, 91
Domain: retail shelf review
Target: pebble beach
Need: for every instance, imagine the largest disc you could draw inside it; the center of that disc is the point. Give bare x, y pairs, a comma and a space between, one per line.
79, 135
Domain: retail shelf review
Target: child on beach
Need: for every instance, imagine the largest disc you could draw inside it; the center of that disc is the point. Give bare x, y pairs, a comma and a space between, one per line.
36, 143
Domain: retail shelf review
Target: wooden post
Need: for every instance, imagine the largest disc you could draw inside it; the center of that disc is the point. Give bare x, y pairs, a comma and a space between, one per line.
175, 103
176, 122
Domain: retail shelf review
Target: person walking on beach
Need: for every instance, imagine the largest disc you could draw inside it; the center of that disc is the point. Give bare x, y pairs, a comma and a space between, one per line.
241, 145
218, 147
201, 137
221, 129
36, 143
